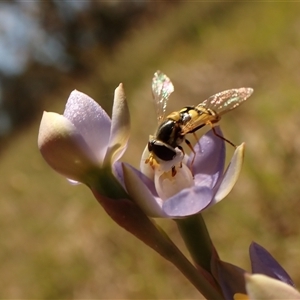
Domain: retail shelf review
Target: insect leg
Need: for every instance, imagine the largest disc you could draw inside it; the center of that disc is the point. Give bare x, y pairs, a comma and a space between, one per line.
191, 147
221, 137
173, 171
197, 139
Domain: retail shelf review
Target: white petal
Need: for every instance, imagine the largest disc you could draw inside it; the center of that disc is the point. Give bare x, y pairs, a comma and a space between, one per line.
120, 129
231, 175
152, 206
259, 287
91, 121
63, 147
168, 185
145, 168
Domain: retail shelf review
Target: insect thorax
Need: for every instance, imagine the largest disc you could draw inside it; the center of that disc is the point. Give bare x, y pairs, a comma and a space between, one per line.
169, 132
184, 115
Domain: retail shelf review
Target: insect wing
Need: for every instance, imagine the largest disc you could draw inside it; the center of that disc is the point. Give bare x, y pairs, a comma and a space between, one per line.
219, 104
162, 88
227, 100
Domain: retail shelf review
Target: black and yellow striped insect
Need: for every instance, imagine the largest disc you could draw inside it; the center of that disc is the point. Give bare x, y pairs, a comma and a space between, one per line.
172, 130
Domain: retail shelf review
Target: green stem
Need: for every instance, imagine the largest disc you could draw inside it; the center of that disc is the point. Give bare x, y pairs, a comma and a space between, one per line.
197, 240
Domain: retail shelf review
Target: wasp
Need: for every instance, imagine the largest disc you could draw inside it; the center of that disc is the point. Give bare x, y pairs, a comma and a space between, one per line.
172, 130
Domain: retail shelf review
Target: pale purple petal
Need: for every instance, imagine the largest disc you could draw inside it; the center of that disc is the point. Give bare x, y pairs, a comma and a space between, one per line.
118, 171
146, 181
263, 262
90, 120
120, 127
209, 162
230, 176
187, 202
63, 147
140, 193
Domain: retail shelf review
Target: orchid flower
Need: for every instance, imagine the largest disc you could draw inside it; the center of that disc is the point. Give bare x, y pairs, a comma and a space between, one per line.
84, 138
84, 145
188, 192
232, 278
197, 183
260, 286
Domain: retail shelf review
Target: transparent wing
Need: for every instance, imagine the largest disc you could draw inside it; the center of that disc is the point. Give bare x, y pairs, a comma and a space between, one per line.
162, 88
226, 100
211, 109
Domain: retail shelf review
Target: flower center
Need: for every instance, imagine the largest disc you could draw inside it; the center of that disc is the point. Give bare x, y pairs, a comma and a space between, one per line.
168, 185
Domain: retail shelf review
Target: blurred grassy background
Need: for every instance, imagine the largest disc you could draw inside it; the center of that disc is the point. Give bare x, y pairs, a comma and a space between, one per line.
57, 242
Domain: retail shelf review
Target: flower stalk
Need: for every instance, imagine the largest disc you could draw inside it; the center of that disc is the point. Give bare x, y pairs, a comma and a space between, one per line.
129, 216
197, 240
